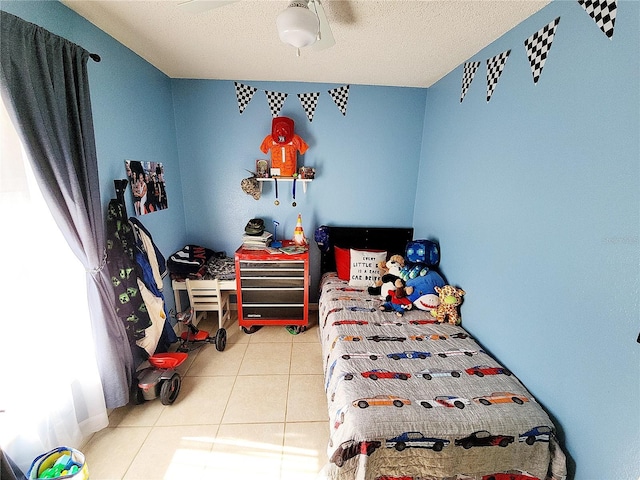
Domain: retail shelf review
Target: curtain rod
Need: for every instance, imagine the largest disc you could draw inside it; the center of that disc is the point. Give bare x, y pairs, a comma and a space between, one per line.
95, 57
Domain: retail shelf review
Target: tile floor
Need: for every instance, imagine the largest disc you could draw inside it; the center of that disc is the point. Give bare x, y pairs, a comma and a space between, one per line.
256, 410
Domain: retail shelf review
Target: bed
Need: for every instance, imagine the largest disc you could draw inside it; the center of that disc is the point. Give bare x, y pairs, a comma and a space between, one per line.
410, 399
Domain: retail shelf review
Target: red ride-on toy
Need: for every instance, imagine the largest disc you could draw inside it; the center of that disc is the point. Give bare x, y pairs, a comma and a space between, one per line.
160, 378
193, 338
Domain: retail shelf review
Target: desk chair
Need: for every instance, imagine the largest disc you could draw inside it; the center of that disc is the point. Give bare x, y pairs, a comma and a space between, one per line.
206, 296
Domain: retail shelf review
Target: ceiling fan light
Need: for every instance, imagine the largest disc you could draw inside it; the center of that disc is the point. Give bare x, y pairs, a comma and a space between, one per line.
297, 25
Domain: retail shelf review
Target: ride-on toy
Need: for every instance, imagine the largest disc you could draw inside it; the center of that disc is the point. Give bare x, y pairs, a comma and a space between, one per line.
160, 378
193, 338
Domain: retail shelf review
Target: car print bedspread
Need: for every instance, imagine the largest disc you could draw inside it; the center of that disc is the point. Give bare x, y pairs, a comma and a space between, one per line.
412, 399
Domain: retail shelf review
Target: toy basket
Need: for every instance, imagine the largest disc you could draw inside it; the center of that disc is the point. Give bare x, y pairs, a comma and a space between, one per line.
61, 462
167, 360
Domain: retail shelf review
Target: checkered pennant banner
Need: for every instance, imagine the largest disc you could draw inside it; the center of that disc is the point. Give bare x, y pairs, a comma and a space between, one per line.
244, 94
603, 12
468, 73
340, 96
309, 102
538, 46
276, 101
495, 66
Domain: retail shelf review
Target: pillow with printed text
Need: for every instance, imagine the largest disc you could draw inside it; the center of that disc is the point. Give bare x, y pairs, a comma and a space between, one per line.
363, 268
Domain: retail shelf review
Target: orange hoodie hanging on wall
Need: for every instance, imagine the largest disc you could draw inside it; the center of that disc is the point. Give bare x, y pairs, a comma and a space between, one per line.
284, 145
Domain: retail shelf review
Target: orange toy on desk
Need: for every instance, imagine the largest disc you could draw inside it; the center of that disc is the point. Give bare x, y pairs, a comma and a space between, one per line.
284, 145
298, 233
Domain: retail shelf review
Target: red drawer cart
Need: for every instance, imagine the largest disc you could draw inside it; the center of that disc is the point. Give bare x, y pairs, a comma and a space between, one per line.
272, 289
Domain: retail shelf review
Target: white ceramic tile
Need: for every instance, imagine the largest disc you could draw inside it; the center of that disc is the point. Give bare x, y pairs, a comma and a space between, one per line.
145, 414
306, 358
247, 452
266, 359
226, 426
201, 401
304, 452
307, 400
177, 452
257, 399
235, 334
271, 334
110, 452
311, 333
211, 362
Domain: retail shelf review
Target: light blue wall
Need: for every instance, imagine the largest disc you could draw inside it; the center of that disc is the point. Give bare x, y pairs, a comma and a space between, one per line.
132, 112
534, 196
366, 162
535, 199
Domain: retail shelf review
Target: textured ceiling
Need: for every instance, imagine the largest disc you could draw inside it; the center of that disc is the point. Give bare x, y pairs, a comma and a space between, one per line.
399, 43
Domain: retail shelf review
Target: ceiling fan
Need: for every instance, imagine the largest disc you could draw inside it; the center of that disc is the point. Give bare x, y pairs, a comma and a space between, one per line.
302, 24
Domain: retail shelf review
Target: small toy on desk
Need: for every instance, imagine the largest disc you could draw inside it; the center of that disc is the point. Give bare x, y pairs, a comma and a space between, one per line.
275, 243
298, 233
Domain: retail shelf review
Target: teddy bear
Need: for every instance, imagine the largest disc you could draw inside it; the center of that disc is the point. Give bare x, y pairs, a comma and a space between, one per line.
397, 300
450, 300
389, 272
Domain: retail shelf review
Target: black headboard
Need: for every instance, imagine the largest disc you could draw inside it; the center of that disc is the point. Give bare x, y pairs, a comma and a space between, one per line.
392, 239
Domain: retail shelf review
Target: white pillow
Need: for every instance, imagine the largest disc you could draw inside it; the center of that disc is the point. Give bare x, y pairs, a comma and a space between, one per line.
363, 270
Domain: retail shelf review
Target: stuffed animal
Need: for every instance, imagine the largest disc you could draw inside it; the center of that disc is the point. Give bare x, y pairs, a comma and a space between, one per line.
389, 272
424, 295
382, 271
450, 300
397, 300
413, 270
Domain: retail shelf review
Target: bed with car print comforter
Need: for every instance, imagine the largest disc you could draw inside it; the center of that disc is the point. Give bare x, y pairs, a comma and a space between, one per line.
411, 399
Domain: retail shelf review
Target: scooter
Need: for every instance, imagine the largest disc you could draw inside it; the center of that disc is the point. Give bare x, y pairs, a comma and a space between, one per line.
160, 378
193, 338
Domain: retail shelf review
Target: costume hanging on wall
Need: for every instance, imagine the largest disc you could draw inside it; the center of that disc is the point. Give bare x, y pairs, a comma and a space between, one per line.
144, 243
153, 269
284, 145
123, 269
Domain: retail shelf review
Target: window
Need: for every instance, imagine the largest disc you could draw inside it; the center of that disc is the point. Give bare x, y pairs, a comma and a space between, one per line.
46, 350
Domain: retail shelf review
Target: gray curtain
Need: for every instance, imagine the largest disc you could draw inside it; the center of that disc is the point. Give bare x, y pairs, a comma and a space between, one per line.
44, 83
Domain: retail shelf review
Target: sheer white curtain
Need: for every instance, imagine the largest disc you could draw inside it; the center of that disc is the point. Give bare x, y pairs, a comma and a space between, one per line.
51, 392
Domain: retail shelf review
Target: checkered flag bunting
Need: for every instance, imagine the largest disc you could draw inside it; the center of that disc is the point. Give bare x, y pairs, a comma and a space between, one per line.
340, 96
538, 46
309, 102
468, 73
495, 66
276, 101
603, 12
244, 94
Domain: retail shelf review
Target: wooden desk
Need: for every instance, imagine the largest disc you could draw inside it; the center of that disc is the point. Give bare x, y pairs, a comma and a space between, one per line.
182, 286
